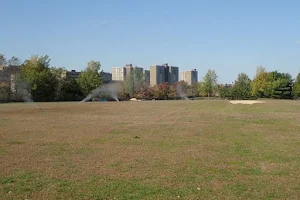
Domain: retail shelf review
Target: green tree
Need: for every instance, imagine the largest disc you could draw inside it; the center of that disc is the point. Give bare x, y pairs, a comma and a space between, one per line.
90, 78
225, 92
210, 83
40, 80
5, 92
242, 87
193, 90
200, 89
14, 61
2, 60
261, 83
296, 87
58, 72
282, 85
134, 82
68, 90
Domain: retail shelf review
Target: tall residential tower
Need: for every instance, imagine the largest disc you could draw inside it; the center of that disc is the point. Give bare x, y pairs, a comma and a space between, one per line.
118, 73
191, 77
163, 73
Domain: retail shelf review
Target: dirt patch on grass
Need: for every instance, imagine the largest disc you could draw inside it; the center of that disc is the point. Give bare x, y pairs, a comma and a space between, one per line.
246, 102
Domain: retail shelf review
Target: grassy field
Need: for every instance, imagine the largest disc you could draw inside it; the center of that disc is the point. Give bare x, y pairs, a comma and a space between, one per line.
150, 150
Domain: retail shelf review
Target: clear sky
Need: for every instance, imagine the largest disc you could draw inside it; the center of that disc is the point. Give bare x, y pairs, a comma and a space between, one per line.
228, 36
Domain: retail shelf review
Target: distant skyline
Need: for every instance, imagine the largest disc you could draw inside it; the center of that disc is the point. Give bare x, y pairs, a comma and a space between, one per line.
227, 36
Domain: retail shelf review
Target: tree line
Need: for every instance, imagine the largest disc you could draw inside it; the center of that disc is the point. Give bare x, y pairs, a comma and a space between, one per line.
40, 82
273, 84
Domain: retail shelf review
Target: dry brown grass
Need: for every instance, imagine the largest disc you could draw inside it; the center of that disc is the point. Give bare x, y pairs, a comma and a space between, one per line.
150, 150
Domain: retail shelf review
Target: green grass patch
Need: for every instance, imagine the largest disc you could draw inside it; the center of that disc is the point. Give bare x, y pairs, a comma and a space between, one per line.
84, 150
3, 121
252, 172
29, 184
22, 185
242, 149
238, 189
99, 141
264, 122
16, 142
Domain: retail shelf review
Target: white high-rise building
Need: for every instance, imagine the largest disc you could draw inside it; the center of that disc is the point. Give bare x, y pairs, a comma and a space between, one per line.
147, 77
118, 73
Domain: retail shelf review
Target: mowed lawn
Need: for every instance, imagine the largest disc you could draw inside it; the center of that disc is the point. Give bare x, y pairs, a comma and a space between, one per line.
150, 150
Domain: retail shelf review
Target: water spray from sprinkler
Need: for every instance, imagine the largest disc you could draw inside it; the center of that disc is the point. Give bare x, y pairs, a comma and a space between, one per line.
111, 89
180, 91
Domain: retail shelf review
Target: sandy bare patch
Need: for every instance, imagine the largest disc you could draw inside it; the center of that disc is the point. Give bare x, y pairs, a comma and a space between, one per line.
247, 102
133, 99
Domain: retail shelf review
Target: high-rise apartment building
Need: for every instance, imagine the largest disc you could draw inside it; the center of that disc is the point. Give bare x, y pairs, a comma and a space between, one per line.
173, 74
147, 77
121, 73
163, 73
191, 77
118, 73
157, 74
128, 69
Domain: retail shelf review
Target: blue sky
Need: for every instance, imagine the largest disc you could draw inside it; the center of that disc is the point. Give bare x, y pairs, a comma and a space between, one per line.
228, 36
